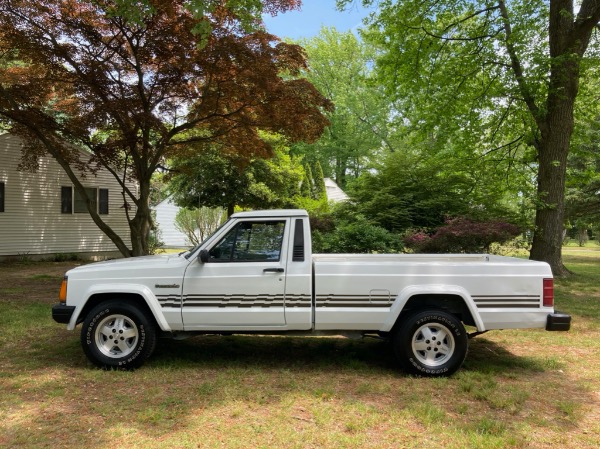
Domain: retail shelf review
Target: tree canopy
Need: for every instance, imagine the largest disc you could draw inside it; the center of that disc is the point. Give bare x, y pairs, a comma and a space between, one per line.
341, 68
133, 85
496, 76
215, 178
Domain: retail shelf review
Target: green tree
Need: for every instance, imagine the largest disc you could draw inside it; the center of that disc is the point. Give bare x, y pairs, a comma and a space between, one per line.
420, 189
504, 72
341, 69
320, 190
213, 177
583, 182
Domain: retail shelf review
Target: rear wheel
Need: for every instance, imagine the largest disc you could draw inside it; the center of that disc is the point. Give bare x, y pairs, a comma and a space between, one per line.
118, 335
431, 343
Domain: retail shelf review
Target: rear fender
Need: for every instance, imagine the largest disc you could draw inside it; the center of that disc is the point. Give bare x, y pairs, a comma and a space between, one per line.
432, 290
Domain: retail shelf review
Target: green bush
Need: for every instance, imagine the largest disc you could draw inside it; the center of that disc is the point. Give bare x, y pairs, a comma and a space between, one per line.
358, 236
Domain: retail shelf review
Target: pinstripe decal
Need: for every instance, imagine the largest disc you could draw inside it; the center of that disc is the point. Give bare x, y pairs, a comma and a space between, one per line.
371, 301
169, 300
328, 300
292, 300
235, 301
507, 301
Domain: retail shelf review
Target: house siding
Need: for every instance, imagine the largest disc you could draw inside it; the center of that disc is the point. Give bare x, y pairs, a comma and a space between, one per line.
32, 222
171, 237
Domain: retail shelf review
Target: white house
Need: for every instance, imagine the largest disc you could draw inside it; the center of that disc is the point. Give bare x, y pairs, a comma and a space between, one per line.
42, 214
334, 192
171, 237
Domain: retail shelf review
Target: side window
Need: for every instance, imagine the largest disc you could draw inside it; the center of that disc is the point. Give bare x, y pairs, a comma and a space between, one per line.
250, 241
79, 203
66, 200
103, 201
71, 201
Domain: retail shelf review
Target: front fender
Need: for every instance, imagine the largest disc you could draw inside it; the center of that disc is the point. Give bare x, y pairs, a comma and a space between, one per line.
412, 290
116, 289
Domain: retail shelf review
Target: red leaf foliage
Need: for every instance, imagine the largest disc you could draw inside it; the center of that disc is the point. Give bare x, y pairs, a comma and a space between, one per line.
79, 72
461, 235
134, 83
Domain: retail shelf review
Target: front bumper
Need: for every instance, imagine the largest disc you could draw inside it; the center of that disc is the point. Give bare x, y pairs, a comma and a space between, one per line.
558, 322
62, 313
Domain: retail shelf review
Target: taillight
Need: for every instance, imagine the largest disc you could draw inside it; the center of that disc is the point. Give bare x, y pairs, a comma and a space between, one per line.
548, 299
62, 296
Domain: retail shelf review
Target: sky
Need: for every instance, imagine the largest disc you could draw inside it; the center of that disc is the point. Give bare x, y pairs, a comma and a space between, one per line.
314, 14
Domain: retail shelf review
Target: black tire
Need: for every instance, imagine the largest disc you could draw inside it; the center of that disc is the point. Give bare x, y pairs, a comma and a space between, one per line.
119, 335
431, 343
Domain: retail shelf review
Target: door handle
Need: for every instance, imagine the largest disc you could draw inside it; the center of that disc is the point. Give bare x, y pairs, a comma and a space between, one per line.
273, 270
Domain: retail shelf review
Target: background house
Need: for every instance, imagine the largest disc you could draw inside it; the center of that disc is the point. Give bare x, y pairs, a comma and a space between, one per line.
170, 236
334, 192
41, 213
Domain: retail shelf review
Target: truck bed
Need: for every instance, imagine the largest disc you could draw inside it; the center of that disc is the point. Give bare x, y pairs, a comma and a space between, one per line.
351, 289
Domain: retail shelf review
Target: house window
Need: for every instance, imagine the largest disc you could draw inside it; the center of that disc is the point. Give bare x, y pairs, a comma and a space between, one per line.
1, 197
103, 201
66, 200
79, 206
72, 202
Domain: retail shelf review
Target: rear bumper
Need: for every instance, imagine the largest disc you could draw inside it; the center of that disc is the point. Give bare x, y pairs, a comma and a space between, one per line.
61, 313
558, 322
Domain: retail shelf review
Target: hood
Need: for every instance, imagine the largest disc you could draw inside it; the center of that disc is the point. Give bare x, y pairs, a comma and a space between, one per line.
130, 263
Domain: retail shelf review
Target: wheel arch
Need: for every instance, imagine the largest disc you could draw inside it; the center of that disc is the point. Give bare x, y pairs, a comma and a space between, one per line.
452, 299
142, 299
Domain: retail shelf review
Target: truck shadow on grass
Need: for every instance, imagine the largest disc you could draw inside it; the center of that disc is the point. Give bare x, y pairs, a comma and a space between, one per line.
321, 353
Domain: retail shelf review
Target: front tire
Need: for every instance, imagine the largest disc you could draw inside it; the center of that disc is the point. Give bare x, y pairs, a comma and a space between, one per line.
118, 334
431, 343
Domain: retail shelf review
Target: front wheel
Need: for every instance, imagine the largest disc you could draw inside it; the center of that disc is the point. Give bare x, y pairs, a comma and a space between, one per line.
431, 343
117, 334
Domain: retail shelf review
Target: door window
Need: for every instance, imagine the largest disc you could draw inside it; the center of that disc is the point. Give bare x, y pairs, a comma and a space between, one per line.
250, 241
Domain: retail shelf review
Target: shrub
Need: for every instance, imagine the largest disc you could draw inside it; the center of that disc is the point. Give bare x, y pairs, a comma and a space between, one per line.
198, 224
461, 235
358, 236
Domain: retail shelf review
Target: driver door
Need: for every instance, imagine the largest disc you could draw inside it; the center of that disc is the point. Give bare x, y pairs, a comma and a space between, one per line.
242, 285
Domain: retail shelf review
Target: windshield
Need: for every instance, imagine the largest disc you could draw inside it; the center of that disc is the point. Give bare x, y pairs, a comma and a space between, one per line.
191, 251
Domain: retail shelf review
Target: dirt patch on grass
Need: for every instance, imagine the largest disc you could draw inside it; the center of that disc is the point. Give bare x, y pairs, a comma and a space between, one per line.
34, 281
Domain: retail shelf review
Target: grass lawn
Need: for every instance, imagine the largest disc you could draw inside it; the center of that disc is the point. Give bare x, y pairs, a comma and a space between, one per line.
519, 389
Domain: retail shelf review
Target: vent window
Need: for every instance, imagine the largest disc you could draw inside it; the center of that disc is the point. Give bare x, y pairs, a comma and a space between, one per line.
298, 255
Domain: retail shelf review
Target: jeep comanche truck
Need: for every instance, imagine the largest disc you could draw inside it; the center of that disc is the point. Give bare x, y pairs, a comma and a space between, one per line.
256, 274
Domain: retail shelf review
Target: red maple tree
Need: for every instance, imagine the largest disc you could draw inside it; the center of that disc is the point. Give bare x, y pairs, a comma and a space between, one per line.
133, 83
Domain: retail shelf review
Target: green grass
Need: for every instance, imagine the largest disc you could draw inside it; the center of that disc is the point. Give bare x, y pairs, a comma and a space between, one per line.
517, 389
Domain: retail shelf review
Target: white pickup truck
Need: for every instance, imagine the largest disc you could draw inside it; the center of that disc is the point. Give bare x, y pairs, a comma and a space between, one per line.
256, 274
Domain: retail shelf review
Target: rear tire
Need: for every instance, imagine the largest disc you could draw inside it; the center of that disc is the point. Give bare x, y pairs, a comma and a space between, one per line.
431, 343
118, 335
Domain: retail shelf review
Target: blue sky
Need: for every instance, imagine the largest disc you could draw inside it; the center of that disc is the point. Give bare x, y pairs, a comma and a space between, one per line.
314, 14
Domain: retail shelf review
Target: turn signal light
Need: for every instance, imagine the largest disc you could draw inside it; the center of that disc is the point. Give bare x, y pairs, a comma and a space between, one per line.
62, 296
548, 293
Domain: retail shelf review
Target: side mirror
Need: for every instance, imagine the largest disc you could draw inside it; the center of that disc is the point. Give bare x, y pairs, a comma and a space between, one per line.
203, 257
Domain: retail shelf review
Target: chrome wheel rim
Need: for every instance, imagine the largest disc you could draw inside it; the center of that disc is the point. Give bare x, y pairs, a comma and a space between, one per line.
116, 336
433, 344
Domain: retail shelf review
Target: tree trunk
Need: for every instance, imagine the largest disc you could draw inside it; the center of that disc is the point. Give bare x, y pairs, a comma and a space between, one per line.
568, 39
141, 224
549, 218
